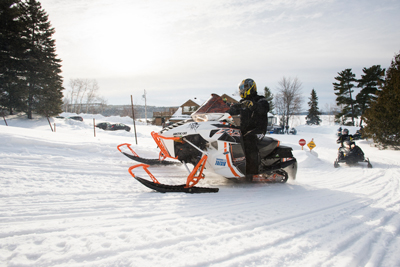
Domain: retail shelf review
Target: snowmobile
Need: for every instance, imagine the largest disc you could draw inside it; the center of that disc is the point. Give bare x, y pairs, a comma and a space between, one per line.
339, 132
210, 140
350, 154
358, 135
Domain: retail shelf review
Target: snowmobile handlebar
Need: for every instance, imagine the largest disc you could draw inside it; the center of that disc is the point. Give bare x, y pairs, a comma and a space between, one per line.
228, 118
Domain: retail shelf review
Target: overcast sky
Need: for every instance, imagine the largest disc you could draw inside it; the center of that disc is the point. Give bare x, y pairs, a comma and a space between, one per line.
181, 49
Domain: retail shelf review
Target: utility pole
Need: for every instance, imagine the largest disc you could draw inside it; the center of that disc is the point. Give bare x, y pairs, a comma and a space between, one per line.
145, 105
133, 117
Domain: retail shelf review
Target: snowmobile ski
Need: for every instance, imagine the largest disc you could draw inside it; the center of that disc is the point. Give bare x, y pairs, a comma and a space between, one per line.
163, 188
151, 162
336, 163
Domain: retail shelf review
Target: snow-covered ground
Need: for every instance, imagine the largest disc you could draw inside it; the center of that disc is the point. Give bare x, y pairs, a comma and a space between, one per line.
67, 199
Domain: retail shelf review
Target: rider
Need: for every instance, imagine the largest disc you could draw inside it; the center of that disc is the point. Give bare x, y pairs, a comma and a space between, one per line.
253, 110
344, 137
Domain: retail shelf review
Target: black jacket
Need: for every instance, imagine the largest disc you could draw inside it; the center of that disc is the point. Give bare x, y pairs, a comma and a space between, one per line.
344, 137
253, 120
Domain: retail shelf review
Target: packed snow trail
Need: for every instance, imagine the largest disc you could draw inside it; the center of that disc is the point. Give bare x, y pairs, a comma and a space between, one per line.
67, 199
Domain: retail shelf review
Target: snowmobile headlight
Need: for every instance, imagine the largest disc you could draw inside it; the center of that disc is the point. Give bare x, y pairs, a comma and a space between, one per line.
200, 117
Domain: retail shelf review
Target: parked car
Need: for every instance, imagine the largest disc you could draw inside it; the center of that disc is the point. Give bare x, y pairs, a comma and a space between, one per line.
104, 125
77, 118
113, 127
120, 126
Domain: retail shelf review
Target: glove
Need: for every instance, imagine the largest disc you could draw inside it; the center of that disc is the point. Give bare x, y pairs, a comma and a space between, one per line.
247, 104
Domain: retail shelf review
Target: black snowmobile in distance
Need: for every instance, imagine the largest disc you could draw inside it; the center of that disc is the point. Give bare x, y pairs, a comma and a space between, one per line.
358, 135
350, 154
339, 132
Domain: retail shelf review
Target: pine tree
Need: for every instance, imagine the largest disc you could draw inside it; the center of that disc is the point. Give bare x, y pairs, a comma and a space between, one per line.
313, 112
369, 87
11, 55
382, 119
44, 83
270, 98
344, 95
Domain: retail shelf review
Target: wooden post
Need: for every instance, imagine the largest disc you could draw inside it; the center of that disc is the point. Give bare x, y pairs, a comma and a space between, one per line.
133, 117
5, 120
50, 124
94, 127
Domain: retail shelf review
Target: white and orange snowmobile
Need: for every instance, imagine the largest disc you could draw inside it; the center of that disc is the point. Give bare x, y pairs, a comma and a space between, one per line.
211, 140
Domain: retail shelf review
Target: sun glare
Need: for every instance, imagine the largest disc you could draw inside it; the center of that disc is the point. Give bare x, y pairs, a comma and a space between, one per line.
128, 42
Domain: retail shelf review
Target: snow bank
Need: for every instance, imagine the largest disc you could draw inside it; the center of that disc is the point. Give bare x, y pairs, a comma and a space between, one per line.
67, 199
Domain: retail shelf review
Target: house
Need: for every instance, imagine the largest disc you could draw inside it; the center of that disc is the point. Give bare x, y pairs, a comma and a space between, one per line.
229, 99
191, 106
184, 111
166, 115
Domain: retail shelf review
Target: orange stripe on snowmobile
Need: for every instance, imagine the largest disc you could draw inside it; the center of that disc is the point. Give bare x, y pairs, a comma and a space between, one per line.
129, 146
228, 160
145, 166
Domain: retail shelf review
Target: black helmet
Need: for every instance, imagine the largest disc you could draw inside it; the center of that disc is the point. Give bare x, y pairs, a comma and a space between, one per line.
247, 87
345, 131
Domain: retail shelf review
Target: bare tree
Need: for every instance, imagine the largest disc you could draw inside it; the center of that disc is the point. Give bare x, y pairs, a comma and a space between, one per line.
288, 101
83, 93
102, 104
91, 93
331, 110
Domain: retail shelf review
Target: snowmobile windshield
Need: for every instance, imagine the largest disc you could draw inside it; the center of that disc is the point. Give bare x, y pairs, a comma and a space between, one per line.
347, 144
211, 110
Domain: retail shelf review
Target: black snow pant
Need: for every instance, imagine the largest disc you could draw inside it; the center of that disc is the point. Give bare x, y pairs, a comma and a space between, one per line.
251, 151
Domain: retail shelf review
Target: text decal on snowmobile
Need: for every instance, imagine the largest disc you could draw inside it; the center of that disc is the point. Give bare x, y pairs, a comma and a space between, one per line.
220, 162
194, 126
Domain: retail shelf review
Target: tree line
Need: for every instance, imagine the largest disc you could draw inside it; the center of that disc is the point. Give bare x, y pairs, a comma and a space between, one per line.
353, 106
30, 72
377, 104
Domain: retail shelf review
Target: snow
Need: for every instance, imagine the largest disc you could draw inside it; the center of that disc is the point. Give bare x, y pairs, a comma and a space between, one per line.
67, 199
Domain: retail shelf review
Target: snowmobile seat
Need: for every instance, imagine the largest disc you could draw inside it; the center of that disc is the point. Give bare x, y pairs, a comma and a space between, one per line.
266, 146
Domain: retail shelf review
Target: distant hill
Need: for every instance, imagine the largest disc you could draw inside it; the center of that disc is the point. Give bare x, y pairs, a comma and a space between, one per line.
123, 110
